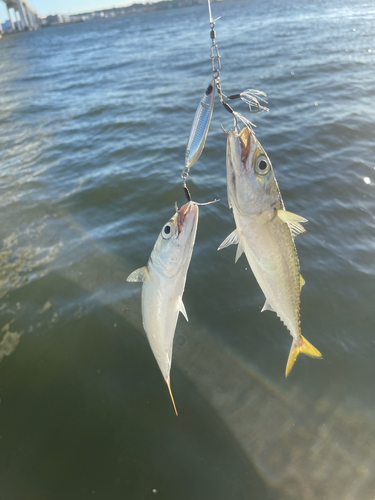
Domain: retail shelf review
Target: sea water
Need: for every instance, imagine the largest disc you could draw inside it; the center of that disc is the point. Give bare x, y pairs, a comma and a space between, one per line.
94, 121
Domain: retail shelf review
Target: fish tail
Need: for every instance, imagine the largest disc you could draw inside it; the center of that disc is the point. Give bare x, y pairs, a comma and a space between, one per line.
168, 381
300, 345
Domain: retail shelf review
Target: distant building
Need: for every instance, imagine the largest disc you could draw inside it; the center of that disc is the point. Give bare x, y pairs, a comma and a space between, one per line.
49, 21
7, 25
63, 18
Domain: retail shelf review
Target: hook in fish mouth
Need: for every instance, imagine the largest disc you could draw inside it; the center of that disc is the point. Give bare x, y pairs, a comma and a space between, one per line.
181, 215
244, 139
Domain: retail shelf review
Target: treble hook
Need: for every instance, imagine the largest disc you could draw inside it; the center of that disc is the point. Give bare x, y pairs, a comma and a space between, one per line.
257, 110
255, 102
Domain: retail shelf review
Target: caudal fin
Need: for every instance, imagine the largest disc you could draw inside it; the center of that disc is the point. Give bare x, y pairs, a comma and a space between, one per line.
300, 345
168, 381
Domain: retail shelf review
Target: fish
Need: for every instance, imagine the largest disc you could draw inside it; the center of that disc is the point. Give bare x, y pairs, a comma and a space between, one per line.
265, 232
200, 125
163, 286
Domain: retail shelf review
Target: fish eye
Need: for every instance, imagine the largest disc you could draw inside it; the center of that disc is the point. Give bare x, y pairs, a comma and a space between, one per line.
262, 166
167, 231
209, 90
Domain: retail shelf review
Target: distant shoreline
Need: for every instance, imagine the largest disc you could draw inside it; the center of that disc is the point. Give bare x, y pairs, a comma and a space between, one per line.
135, 8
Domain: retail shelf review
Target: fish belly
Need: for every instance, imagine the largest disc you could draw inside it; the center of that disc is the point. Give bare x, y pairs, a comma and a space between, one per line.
270, 251
160, 309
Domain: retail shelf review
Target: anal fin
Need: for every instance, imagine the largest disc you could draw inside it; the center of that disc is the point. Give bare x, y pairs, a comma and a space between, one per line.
300, 345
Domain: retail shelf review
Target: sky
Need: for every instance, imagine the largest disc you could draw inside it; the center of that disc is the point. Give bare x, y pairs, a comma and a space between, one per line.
46, 7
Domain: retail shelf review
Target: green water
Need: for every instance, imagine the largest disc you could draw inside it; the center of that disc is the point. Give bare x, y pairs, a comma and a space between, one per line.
94, 120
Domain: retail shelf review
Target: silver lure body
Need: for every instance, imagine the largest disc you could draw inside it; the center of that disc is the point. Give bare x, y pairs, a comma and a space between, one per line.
200, 125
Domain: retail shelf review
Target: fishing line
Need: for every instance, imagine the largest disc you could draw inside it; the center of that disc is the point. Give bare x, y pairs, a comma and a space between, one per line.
250, 97
202, 118
188, 196
207, 202
186, 191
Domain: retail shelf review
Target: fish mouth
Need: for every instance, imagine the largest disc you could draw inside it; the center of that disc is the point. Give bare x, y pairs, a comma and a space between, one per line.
189, 207
244, 140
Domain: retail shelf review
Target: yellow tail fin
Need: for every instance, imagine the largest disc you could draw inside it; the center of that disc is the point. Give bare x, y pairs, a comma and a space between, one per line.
168, 381
301, 345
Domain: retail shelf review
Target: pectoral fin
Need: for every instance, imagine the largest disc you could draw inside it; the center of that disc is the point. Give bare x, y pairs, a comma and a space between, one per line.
300, 345
140, 274
301, 280
290, 217
296, 228
183, 310
232, 239
293, 222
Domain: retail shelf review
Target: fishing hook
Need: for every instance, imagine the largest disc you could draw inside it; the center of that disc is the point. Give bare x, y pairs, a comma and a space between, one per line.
227, 107
255, 102
186, 191
207, 202
230, 110
188, 196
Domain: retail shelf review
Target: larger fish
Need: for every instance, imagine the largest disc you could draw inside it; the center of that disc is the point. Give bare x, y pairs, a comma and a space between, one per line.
265, 232
164, 282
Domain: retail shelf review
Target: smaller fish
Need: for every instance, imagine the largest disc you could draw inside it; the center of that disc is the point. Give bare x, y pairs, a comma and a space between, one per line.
164, 280
199, 128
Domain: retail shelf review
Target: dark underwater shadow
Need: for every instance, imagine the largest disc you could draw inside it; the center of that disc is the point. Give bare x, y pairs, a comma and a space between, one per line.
85, 414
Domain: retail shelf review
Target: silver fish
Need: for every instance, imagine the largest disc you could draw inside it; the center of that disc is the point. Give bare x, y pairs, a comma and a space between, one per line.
199, 128
265, 232
164, 282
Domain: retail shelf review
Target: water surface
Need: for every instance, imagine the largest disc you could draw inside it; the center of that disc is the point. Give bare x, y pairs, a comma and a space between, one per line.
94, 120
